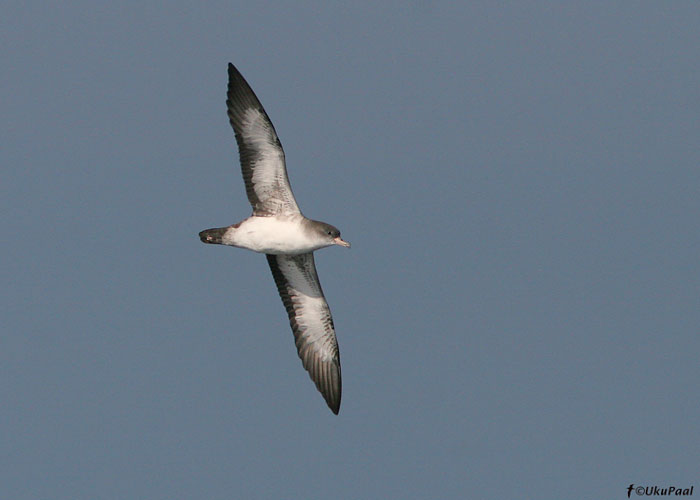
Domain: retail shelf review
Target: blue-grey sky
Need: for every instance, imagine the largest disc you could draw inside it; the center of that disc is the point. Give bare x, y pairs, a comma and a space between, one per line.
518, 316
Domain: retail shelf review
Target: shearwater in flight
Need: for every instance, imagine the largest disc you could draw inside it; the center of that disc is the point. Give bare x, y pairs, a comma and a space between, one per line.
278, 229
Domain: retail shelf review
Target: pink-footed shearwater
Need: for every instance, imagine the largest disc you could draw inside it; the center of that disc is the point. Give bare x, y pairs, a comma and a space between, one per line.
278, 229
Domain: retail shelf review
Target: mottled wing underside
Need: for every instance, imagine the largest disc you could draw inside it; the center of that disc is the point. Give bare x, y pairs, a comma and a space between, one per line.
261, 154
311, 322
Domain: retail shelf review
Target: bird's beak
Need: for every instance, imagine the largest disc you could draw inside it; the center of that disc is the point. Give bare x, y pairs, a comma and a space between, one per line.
342, 243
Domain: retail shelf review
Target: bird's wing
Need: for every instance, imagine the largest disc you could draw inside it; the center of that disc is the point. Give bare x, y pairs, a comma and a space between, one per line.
261, 154
311, 321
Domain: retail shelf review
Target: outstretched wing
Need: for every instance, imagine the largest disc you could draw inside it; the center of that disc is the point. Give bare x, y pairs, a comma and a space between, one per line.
311, 321
261, 154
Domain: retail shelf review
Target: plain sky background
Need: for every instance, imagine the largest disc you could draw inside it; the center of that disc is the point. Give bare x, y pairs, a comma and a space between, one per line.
518, 316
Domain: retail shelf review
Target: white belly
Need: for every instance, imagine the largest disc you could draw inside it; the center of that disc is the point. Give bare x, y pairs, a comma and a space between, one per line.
273, 235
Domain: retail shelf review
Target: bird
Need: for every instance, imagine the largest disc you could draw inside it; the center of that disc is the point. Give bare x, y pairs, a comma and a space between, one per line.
278, 229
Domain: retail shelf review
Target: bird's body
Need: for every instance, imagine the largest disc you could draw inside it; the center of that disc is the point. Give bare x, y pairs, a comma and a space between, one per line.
278, 229
279, 235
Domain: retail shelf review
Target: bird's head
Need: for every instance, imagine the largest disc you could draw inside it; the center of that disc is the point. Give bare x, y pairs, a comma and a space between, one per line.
330, 233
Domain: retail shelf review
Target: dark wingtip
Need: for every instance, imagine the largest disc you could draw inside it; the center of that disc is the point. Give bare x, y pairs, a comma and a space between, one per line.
330, 385
234, 77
